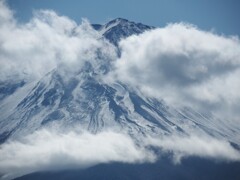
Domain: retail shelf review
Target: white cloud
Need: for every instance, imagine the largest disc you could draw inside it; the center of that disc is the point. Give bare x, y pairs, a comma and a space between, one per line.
200, 146
6, 15
49, 150
46, 42
184, 66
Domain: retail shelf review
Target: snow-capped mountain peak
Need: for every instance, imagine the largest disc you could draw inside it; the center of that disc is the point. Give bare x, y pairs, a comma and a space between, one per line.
83, 100
119, 28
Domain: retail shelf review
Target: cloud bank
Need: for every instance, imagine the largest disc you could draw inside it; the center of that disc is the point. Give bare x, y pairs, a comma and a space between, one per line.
50, 150
206, 147
184, 66
47, 150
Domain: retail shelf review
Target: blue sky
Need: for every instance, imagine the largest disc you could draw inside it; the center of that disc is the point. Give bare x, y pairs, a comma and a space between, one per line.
220, 15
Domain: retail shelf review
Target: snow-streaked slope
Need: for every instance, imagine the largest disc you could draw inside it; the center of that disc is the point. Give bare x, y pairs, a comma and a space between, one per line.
82, 100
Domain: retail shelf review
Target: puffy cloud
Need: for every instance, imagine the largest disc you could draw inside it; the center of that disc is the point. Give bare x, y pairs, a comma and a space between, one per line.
46, 42
185, 66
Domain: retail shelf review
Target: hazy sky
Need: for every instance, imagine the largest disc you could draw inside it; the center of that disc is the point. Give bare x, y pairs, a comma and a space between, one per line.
220, 15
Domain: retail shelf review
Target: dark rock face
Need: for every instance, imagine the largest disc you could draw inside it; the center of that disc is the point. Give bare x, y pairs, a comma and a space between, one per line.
9, 87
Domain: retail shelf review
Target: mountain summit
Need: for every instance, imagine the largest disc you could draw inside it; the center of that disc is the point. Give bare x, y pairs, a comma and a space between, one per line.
119, 28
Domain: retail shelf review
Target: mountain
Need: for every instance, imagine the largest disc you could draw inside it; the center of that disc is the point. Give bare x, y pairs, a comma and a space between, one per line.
66, 100
83, 99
